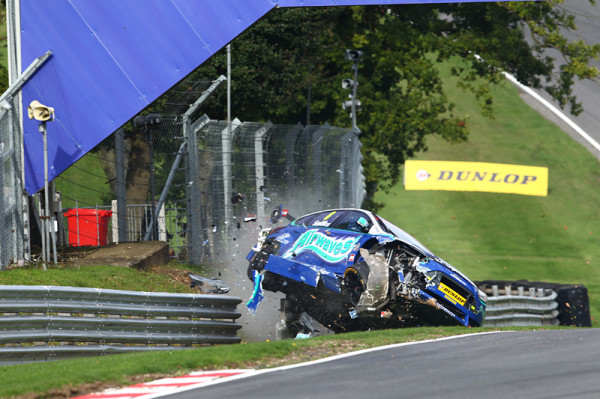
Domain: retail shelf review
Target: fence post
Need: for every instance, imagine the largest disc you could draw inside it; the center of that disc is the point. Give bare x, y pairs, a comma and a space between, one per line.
226, 140
317, 142
357, 175
192, 190
162, 225
344, 166
114, 219
260, 169
121, 206
290, 141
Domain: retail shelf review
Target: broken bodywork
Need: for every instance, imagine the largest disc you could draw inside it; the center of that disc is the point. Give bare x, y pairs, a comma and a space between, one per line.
350, 269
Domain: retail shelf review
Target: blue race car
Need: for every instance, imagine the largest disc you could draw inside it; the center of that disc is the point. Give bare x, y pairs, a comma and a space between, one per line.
350, 269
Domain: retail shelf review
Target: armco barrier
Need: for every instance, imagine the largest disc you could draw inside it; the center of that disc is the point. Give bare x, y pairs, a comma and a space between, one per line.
530, 303
39, 323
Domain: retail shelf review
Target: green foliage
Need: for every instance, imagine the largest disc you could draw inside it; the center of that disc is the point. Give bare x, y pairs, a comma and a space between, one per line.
403, 99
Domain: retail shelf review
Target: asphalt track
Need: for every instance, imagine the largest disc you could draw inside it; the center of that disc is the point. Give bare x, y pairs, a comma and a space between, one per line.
587, 19
525, 364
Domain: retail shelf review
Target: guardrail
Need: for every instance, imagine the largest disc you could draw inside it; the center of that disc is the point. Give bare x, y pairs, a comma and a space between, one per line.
39, 323
527, 303
534, 307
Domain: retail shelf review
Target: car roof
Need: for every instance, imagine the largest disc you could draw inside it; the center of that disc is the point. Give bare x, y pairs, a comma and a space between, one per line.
388, 228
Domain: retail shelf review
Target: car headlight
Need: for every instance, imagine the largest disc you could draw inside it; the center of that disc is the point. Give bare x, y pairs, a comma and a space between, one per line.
482, 296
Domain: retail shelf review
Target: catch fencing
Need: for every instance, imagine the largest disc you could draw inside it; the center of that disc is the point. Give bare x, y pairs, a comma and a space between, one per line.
40, 323
247, 170
12, 226
199, 184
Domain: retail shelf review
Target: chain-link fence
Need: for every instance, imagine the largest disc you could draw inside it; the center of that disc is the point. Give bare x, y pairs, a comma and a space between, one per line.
250, 168
227, 193
11, 199
201, 185
90, 195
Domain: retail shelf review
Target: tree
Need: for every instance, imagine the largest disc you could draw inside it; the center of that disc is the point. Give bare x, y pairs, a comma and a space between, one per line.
400, 86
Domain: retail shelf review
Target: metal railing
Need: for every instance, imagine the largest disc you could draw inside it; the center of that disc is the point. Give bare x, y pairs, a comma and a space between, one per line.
40, 323
531, 307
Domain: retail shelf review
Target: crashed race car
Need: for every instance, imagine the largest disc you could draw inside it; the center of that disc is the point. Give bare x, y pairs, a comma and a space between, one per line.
350, 269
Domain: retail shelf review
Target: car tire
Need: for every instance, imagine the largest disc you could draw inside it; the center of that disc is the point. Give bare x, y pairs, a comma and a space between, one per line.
355, 281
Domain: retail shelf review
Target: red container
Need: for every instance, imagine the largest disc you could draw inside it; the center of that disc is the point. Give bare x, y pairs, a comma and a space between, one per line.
87, 227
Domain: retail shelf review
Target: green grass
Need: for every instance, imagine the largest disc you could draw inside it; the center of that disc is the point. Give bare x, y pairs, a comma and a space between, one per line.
509, 236
158, 279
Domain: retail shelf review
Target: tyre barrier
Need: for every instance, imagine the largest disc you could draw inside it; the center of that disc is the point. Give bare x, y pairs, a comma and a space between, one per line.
40, 323
535, 303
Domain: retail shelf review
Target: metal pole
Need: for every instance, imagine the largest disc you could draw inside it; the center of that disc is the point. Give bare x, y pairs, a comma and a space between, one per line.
308, 95
42, 233
260, 169
53, 226
163, 195
355, 67
121, 185
45, 217
153, 205
227, 143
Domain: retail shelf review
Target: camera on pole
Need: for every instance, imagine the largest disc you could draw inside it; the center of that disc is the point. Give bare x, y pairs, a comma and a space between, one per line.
353, 55
351, 84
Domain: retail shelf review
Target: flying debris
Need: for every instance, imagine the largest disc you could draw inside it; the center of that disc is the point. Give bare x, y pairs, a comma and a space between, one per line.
211, 285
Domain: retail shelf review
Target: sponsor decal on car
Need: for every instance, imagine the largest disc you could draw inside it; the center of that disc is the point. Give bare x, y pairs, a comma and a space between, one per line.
330, 249
452, 295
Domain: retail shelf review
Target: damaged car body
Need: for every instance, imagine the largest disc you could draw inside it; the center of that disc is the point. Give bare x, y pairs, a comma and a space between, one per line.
350, 269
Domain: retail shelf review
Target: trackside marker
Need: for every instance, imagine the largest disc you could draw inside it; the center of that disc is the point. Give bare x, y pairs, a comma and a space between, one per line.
164, 385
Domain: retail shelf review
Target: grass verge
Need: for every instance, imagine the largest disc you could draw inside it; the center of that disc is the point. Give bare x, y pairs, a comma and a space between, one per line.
509, 236
171, 277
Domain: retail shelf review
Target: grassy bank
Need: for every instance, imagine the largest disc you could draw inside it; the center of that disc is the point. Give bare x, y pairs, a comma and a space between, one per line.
168, 278
509, 236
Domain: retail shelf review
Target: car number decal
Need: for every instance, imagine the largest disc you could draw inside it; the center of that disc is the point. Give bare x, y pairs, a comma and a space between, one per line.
452, 295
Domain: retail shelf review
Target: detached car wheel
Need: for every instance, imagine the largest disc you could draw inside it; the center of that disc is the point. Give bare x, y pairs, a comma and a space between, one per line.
355, 281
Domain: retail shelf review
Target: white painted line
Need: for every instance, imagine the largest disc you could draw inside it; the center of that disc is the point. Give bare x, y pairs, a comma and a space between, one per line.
554, 110
253, 373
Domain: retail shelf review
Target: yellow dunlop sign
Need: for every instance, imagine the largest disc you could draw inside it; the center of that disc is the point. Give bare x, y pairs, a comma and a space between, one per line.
476, 176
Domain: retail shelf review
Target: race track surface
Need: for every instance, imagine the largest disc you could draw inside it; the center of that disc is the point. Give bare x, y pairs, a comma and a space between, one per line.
526, 364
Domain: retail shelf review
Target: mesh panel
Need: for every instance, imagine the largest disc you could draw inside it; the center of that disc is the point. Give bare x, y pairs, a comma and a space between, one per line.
11, 227
228, 188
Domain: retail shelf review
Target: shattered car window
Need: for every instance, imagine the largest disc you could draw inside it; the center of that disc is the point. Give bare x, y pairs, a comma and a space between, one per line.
350, 220
403, 235
321, 219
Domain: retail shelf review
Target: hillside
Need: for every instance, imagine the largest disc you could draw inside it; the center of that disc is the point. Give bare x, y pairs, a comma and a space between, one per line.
508, 236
